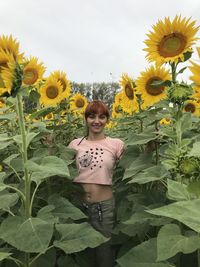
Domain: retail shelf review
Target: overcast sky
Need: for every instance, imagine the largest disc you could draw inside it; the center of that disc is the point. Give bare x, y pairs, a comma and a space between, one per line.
91, 40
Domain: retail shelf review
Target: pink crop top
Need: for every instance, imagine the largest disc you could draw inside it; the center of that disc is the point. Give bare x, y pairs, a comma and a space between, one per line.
95, 160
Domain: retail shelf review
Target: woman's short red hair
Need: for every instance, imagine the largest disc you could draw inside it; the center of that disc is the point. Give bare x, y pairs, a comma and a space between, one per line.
96, 107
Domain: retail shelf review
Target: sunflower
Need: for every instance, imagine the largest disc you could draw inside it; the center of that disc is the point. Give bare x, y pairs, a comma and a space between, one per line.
165, 121
62, 77
152, 94
33, 71
78, 103
128, 98
10, 46
7, 78
127, 84
5, 58
193, 107
170, 40
117, 111
195, 70
50, 92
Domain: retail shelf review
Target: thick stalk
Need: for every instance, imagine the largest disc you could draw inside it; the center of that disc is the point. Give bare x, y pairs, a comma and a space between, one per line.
24, 158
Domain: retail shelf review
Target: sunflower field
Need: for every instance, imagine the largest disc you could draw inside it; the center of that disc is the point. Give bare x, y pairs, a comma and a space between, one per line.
156, 183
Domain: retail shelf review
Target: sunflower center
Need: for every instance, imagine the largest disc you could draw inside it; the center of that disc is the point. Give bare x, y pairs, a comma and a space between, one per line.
79, 103
190, 108
129, 91
52, 92
63, 83
172, 45
154, 90
30, 76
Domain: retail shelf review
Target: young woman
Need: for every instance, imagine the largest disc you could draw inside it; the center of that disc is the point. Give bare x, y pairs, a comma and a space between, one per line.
96, 157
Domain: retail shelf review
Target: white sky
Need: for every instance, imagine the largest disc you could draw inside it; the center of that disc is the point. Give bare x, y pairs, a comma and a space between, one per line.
91, 40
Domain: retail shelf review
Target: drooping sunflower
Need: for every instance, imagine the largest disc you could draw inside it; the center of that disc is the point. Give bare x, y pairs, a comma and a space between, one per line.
195, 70
33, 71
78, 103
62, 77
50, 92
117, 111
129, 101
170, 40
5, 58
193, 107
7, 77
10, 46
152, 94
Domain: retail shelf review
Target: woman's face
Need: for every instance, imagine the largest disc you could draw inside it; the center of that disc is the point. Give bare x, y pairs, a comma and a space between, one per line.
96, 122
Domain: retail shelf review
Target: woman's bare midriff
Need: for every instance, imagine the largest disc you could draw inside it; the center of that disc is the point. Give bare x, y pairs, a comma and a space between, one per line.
97, 192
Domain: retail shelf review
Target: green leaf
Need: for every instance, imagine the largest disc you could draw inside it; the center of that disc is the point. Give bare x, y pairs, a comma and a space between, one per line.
4, 137
143, 255
32, 235
178, 191
154, 173
5, 144
64, 209
170, 241
7, 200
76, 237
195, 151
186, 212
60, 208
138, 164
48, 167
140, 139
4, 255
29, 138
46, 260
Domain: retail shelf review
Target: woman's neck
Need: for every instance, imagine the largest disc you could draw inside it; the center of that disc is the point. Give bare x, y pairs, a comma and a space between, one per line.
93, 137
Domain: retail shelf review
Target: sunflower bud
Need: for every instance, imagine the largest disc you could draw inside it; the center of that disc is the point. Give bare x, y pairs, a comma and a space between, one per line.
189, 165
178, 93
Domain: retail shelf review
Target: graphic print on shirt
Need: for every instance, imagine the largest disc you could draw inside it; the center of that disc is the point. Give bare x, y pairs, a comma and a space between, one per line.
92, 157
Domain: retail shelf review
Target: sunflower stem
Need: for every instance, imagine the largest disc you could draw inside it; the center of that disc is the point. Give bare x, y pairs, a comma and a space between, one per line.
20, 113
173, 67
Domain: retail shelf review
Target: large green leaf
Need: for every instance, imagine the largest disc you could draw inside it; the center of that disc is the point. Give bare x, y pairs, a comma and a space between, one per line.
29, 138
170, 241
140, 139
64, 209
76, 237
48, 167
186, 212
178, 191
7, 199
151, 174
143, 255
60, 208
137, 165
32, 235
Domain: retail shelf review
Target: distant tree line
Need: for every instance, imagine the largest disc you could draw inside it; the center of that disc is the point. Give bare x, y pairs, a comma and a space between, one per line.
97, 91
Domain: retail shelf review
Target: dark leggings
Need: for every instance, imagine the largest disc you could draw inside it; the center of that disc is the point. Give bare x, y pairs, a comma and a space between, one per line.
101, 217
